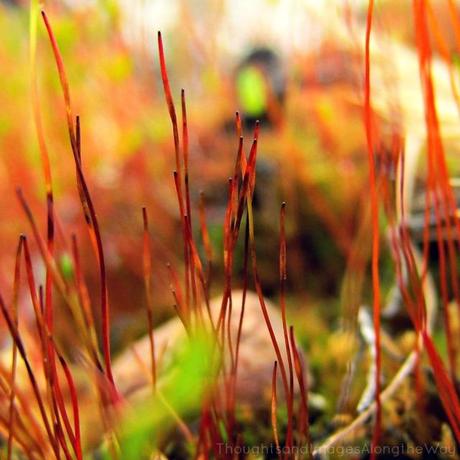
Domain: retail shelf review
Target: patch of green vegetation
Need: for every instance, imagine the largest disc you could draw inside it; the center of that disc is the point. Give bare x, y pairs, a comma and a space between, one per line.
182, 387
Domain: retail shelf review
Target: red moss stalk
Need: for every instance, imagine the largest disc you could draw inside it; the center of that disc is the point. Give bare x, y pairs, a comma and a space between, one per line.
147, 265
14, 312
16, 337
274, 411
369, 122
88, 208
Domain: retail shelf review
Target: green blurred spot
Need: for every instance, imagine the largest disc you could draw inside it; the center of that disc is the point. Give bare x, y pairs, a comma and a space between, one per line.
5, 125
456, 60
252, 92
158, 128
66, 265
66, 31
119, 68
131, 142
182, 386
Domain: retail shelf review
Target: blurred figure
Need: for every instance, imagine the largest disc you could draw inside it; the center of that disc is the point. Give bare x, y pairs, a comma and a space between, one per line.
261, 87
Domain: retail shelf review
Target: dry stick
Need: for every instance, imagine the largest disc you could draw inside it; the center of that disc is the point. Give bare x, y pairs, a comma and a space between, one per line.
368, 122
14, 311
403, 372
88, 208
147, 265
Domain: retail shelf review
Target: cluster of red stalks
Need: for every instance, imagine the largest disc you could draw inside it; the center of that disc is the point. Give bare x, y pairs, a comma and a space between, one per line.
193, 307
54, 431
440, 199
57, 433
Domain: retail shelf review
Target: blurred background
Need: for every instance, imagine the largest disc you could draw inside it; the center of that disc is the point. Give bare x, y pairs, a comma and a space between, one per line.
295, 65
